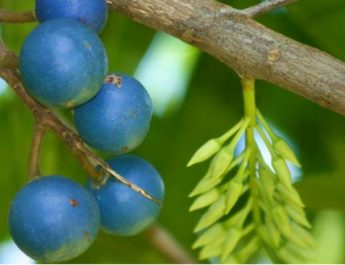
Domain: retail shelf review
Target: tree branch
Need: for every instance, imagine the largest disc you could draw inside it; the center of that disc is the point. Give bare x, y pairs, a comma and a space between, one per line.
7, 16
265, 7
35, 151
168, 245
245, 46
8, 59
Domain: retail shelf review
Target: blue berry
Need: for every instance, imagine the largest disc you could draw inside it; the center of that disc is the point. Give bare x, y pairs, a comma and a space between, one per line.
54, 219
63, 63
93, 13
124, 212
118, 118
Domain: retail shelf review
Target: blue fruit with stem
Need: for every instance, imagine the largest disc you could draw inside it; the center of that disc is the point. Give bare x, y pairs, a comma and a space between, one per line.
54, 219
93, 13
63, 63
124, 212
118, 118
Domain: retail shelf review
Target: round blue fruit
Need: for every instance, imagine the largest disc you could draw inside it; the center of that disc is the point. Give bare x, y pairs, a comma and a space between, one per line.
93, 13
118, 118
54, 219
63, 63
124, 212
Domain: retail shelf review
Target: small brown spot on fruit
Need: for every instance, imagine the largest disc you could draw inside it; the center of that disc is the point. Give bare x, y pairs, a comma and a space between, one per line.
74, 202
124, 149
114, 79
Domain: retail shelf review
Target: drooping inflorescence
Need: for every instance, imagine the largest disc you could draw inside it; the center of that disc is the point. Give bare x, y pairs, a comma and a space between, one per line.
251, 204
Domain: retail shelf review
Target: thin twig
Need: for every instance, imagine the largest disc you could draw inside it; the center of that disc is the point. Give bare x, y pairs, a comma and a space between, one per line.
265, 7
7, 16
35, 151
8, 59
168, 245
109, 171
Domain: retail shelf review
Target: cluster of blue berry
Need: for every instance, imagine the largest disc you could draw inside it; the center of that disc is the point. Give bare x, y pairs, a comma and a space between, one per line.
63, 64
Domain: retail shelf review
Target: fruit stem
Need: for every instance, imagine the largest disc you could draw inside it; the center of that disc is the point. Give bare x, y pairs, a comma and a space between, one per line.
167, 245
35, 151
248, 87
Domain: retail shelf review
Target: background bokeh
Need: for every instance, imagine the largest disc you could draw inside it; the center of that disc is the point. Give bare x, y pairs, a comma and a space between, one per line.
196, 98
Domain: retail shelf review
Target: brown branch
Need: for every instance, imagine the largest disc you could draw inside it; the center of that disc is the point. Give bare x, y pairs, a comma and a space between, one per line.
168, 245
8, 59
7, 16
265, 7
35, 150
245, 46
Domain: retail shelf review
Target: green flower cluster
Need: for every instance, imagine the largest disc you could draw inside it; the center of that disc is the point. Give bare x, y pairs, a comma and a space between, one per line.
251, 205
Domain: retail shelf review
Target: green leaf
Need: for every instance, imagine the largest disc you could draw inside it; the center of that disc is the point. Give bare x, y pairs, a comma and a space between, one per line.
270, 233
266, 236
274, 232
285, 151
292, 253
204, 185
220, 163
213, 214
265, 125
212, 146
205, 199
305, 235
267, 180
242, 158
282, 171
212, 250
290, 196
232, 238
248, 229
296, 239
287, 256
239, 217
237, 137
210, 235
281, 219
208, 182
232, 260
232, 195
267, 208
206, 151
248, 250
297, 216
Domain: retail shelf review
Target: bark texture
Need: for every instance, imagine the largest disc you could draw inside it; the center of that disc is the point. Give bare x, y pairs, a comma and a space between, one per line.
246, 46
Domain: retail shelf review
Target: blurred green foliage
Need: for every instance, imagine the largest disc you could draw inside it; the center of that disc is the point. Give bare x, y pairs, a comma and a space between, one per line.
213, 104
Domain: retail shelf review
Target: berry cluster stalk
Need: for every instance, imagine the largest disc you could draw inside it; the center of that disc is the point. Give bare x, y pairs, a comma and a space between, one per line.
248, 87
